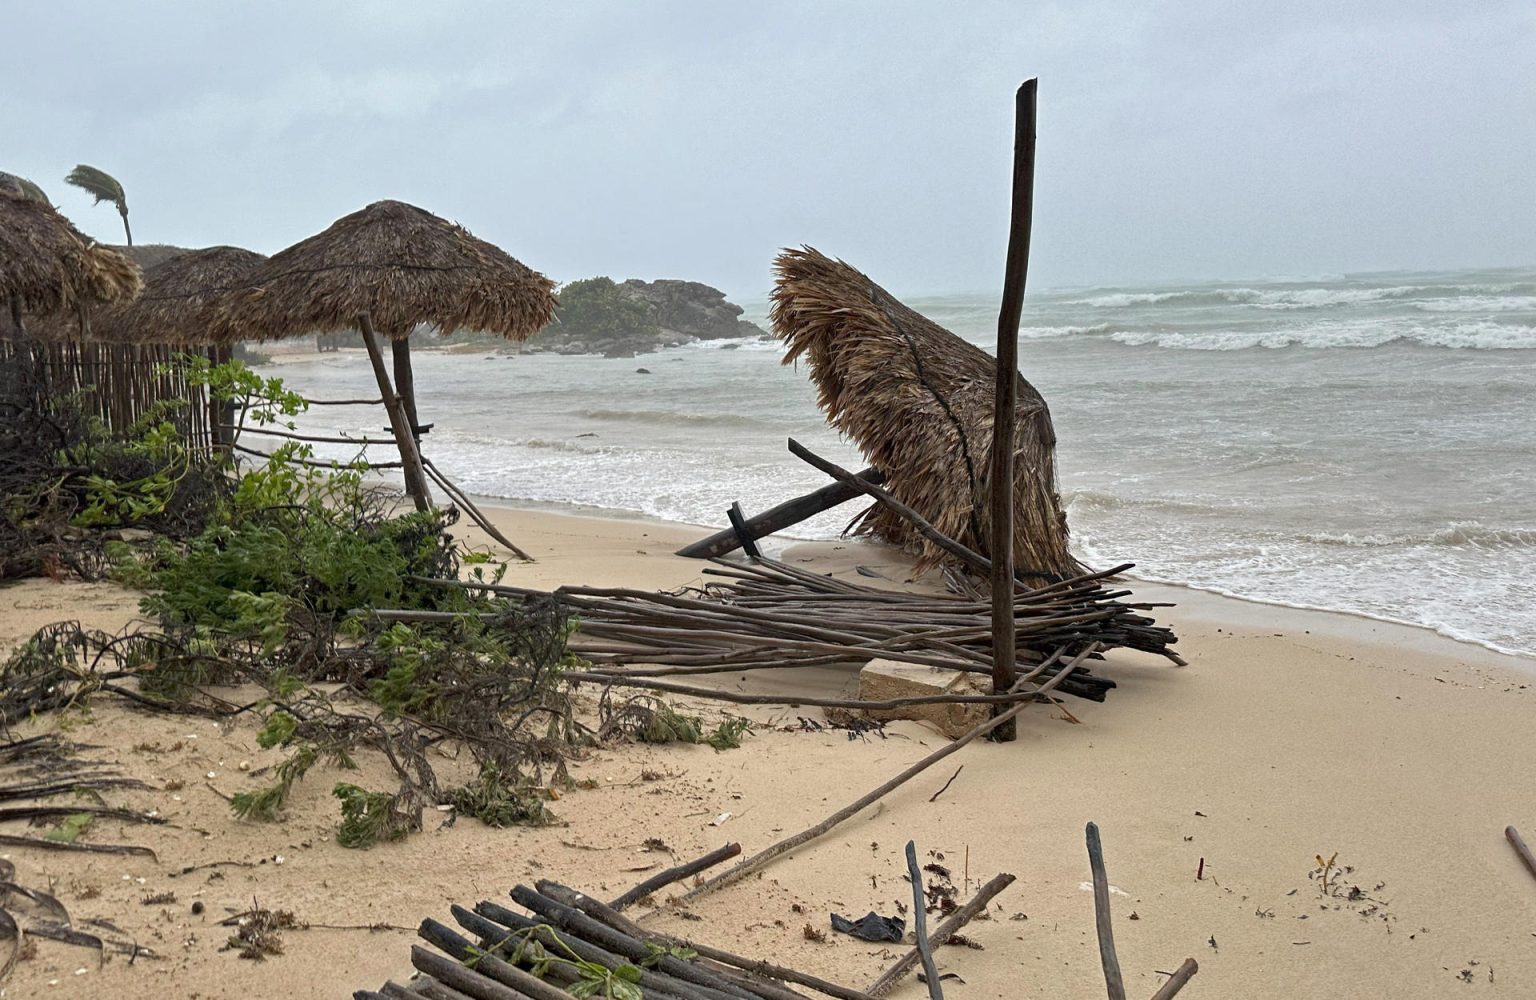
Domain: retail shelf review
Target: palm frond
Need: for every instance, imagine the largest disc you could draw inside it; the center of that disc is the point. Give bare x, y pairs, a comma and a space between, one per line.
102, 185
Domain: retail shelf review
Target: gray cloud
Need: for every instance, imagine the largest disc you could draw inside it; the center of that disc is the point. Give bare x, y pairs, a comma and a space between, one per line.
693, 139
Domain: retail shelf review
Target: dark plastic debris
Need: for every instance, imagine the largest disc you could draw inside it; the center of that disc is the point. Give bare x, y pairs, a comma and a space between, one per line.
872, 927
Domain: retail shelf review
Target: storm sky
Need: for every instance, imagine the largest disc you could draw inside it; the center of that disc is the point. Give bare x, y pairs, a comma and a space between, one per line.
1208, 139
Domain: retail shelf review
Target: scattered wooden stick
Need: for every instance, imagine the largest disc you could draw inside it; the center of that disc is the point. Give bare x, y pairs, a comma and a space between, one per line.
461, 977
851, 704
1176, 982
788, 844
676, 874
1515, 841
444, 937
600, 911
920, 924
951, 781
583, 926
1112, 980
947, 929
738, 521
475, 514
969, 556
10, 840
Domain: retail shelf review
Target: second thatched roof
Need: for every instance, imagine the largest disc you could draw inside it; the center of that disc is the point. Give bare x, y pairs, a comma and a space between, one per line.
918, 401
48, 266
399, 264
174, 307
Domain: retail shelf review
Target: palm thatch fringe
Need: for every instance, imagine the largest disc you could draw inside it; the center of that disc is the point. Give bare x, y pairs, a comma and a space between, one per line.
48, 266
174, 306
918, 401
400, 265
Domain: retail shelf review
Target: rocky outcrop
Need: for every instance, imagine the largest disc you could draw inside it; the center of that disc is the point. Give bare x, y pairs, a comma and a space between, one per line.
691, 308
638, 317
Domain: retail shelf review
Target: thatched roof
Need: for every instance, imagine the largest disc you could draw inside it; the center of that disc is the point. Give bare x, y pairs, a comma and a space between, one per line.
148, 255
399, 264
48, 266
174, 307
918, 401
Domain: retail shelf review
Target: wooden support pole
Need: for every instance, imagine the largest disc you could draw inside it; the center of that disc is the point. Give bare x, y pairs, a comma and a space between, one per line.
221, 410
784, 515
1006, 400
410, 457
405, 380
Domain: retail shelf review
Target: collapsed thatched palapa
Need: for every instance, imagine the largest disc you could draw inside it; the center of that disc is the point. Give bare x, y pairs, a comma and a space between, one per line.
918, 401
48, 266
402, 267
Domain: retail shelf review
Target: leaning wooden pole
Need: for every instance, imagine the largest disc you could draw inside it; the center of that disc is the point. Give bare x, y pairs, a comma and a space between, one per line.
1007, 391
786, 514
410, 457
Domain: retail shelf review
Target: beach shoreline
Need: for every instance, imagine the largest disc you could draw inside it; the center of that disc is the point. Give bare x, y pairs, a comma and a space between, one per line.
1205, 603
1291, 734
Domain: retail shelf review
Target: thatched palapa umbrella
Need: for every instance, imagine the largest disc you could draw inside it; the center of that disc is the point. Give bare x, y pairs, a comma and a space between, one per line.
175, 307
390, 268
918, 401
48, 266
172, 314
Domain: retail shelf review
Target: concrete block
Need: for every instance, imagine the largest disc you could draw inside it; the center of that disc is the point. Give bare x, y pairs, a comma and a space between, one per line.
883, 680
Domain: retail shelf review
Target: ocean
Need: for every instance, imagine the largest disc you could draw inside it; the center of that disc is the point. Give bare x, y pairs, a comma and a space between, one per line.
1359, 443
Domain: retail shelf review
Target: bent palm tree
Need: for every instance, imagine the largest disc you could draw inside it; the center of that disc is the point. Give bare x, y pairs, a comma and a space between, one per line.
104, 187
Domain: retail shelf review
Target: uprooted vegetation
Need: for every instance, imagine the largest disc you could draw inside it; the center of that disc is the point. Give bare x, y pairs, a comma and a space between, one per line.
261, 604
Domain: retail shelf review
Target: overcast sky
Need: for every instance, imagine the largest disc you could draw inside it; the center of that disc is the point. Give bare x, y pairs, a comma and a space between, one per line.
1209, 139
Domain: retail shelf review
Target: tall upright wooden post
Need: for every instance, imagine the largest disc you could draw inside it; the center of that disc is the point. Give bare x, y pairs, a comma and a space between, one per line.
1017, 268
410, 457
405, 380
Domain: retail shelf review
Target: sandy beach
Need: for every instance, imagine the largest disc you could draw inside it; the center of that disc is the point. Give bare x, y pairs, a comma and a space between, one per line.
1290, 735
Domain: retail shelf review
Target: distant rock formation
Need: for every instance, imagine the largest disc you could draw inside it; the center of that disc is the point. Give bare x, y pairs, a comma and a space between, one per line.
621, 320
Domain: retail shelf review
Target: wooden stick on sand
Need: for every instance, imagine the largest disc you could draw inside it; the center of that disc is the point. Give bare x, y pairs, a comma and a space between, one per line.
920, 925
1176, 982
947, 929
676, 874
1515, 841
788, 844
1106, 931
